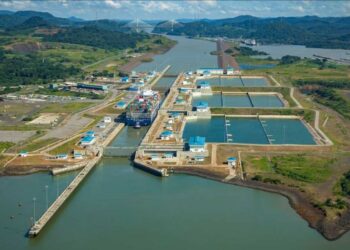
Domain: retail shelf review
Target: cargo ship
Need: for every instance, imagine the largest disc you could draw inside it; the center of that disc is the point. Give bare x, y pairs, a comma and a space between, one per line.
143, 110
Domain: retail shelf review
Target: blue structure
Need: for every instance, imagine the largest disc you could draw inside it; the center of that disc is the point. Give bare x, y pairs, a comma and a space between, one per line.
134, 87
121, 105
196, 141
92, 86
124, 79
87, 140
197, 144
203, 85
62, 156
202, 106
166, 135
90, 133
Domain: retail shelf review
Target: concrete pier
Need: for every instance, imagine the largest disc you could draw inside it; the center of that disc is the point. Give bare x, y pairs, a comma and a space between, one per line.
51, 211
45, 218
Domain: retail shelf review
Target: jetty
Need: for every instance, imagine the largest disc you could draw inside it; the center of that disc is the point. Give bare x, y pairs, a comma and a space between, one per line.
45, 218
38, 225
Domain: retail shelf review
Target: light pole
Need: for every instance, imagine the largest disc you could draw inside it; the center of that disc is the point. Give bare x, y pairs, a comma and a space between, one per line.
57, 183
47, 199
34, 199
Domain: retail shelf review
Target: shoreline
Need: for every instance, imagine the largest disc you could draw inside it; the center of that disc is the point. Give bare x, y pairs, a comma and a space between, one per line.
136, 61
315, 217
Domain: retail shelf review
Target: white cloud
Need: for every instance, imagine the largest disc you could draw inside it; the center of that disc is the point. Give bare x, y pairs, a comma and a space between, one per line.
17, 4
298, 8
114, 4
155, 6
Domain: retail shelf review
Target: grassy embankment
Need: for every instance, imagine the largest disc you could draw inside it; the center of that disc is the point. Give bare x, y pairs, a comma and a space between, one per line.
321, 176
53, 92
308, 115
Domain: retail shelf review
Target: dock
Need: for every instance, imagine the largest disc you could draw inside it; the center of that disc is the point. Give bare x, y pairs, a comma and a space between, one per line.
51, 211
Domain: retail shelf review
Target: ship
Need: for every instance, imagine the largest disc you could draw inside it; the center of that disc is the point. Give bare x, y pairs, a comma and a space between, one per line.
143, 110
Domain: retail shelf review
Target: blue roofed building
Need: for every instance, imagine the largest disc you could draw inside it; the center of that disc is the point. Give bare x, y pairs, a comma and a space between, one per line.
120, 105
203, 85
62, 156
87, 140
210, 71
166, 135
231, 161
196, 144
90, 133
202, 106
124, 79
92, 86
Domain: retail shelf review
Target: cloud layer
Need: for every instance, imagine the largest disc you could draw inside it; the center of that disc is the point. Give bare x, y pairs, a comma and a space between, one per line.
150, 9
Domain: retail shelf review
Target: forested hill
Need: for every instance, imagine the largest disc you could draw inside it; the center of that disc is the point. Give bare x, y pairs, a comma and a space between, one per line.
96, 37
312, 31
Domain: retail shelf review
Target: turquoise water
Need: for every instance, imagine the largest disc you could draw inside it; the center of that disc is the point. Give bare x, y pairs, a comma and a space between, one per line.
187, 55
249, 130
287, 131
242, 101
237, 82
267, 101
120, 207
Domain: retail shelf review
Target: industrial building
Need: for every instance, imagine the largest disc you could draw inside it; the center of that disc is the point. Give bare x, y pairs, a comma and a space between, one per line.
202, 106
92, 86
196, 144
210, 71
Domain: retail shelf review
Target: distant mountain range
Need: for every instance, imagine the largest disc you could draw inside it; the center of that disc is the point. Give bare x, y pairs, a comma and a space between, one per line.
312, 31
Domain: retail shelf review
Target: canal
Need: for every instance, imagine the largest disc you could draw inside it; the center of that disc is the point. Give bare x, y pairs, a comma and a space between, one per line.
121, 207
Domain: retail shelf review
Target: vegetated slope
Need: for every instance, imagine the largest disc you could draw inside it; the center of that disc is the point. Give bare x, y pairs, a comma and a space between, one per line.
312, 31
27, 35
31, 69
8, 20
97, 37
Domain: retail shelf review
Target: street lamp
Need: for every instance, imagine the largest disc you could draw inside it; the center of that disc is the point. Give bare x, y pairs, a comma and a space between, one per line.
47, 199
34, 199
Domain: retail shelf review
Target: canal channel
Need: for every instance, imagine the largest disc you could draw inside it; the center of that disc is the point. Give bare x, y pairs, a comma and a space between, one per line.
121, 207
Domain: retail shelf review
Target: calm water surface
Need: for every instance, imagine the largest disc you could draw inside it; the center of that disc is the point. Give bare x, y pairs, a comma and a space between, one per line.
120, 207
277, 51
187, 55
249, 130
243, 101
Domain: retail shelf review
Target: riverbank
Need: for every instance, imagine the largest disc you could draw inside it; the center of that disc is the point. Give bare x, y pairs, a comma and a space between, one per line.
136, 61
316, 218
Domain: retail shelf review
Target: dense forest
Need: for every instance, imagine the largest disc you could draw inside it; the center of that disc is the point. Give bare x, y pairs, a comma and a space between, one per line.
31, 69
97, 37
312, 31
24, 34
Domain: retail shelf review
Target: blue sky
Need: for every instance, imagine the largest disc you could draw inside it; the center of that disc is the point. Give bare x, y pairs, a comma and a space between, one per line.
149, 9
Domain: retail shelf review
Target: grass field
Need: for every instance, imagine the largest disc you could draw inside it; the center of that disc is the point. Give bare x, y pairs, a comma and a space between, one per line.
65, 107
5, 145
66, 148
35, 145
47, 91
304, 69
295, 167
